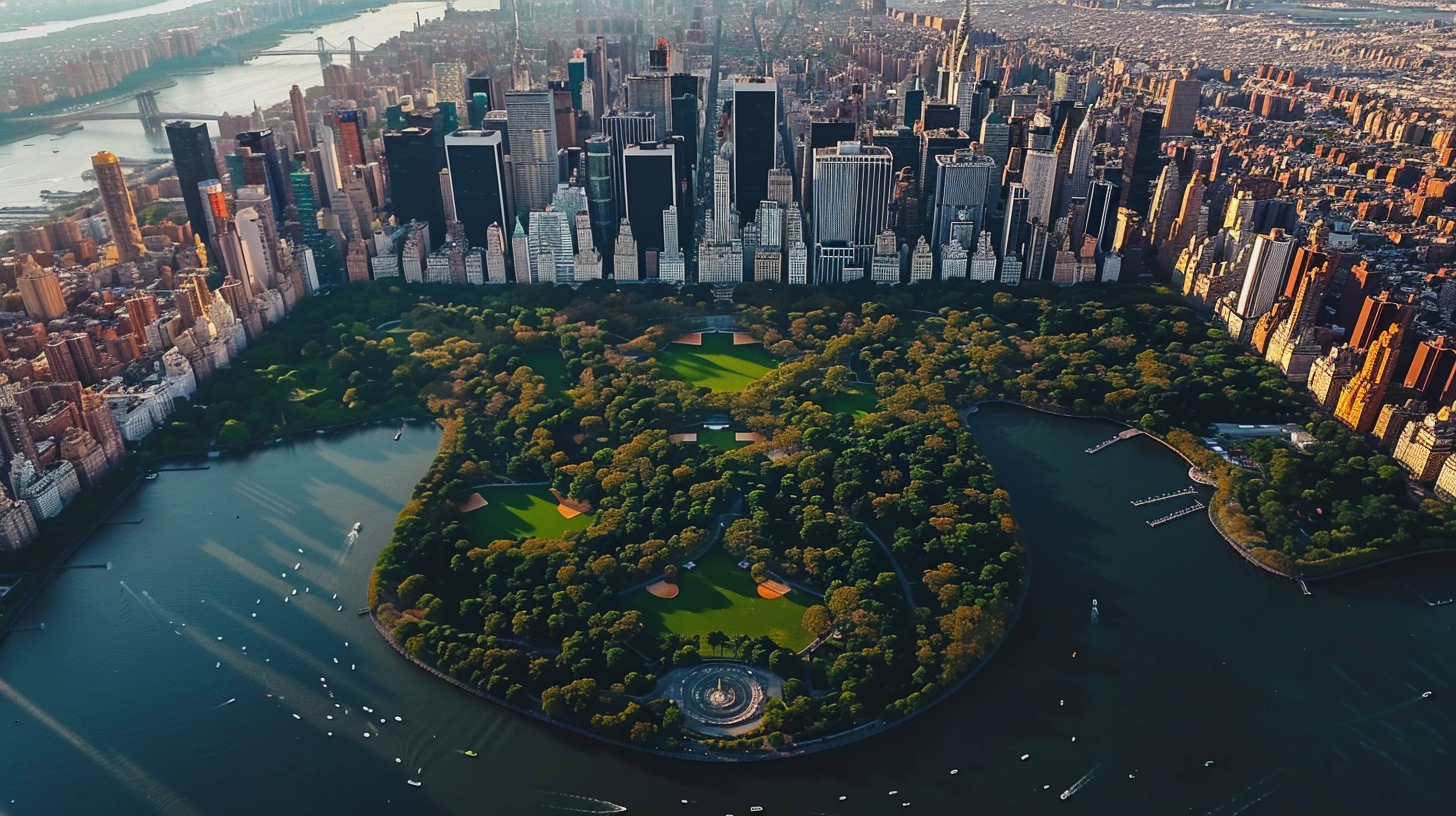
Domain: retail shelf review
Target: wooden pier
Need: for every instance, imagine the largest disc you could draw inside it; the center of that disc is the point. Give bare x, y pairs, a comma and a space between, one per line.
1187, 491
1177, 514
1127, 434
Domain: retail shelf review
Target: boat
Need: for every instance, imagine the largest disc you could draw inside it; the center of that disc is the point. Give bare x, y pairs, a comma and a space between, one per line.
1427, 694
470, 753
399, 432
358, 525
151, 475
414, 783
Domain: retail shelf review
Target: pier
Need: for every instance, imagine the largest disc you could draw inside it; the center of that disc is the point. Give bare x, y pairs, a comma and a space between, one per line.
105, 566
1187, 491
1127, 434
1177, 514
1304, 588
178, 469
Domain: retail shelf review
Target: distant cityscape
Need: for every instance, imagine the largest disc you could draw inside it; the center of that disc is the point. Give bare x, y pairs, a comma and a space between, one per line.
1292, 178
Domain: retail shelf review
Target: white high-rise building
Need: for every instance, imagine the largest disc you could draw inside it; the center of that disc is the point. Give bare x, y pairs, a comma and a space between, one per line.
922, 262
725, 224
953, 261
624, 257
1079, 176
885, 266
852, 186
962, 193
551, 227
1264, 277
1039, 177
798, 256
259, 272
982, 265
531, 131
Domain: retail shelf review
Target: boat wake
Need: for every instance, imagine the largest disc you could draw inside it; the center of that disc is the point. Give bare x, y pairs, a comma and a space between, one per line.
1080, 783
571, 803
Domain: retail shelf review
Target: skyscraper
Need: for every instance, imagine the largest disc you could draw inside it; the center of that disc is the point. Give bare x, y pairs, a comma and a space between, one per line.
327, 260
1184, 96
629, 128
40, 291
1141, 159
350, 127
116, 201
262, 143
755, 137
961, 194
650, 174
449, 79
1039, 177
851, 197
476, 160
193, 156
415, 156
600, 188
300, 119
1362, 396
531, 126
822, 133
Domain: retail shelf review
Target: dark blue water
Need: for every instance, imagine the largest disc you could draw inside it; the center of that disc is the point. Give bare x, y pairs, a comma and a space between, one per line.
1302, 704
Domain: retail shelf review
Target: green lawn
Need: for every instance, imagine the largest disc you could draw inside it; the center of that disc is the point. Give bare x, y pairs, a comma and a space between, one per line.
856, 398
719, 596
716, 364
519, 512
719, 440
549, 363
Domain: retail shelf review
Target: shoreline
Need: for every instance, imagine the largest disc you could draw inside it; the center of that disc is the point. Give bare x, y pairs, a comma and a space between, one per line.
1243, 551
813, 745
38, 578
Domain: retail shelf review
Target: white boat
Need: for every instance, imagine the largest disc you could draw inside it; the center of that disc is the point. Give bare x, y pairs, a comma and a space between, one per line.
414, 783
1427, 694
358, 525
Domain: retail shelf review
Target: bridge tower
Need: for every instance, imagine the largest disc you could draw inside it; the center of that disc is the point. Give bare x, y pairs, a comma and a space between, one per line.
151, 114
325, 58
354, 56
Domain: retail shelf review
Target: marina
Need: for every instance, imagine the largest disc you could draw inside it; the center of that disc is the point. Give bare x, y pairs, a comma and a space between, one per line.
1177, 514
1187, 491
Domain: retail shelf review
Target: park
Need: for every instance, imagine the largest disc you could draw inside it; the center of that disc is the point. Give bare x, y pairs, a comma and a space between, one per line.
718, 361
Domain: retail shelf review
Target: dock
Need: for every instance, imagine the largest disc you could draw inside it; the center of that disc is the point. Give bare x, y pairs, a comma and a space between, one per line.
1187, 491
1177, 514
180, 469
1304, 588
1126, 434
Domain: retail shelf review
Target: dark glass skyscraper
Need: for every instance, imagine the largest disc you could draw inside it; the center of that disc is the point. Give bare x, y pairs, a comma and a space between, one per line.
325, 251
477, 181
651, 188
415, 157
755, 133
262, 144
1142, 160
193, 156
600, 184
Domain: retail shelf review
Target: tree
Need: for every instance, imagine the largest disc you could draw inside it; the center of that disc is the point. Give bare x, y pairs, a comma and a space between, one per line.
816, 620
232, 432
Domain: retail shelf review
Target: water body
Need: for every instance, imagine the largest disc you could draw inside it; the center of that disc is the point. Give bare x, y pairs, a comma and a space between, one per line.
57, 26
229, 89
1308, 705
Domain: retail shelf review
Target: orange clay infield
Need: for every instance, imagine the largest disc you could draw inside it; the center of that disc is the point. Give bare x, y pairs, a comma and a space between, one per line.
663, 589
770, 590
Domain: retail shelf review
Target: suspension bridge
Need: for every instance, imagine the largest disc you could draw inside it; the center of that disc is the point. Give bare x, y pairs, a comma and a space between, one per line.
323, 49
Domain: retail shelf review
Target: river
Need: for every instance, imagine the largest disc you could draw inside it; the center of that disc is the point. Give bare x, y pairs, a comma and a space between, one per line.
1312, 703
50, 163
32, 32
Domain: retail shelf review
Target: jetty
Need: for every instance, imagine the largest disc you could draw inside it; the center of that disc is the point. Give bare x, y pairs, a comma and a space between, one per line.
1187, 491
1304, 588
1177, 514
1126, 434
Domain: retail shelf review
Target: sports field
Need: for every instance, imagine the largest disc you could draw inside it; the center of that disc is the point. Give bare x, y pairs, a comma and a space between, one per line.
519, 512
717, 363
719, 596
857, 399
548, 363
